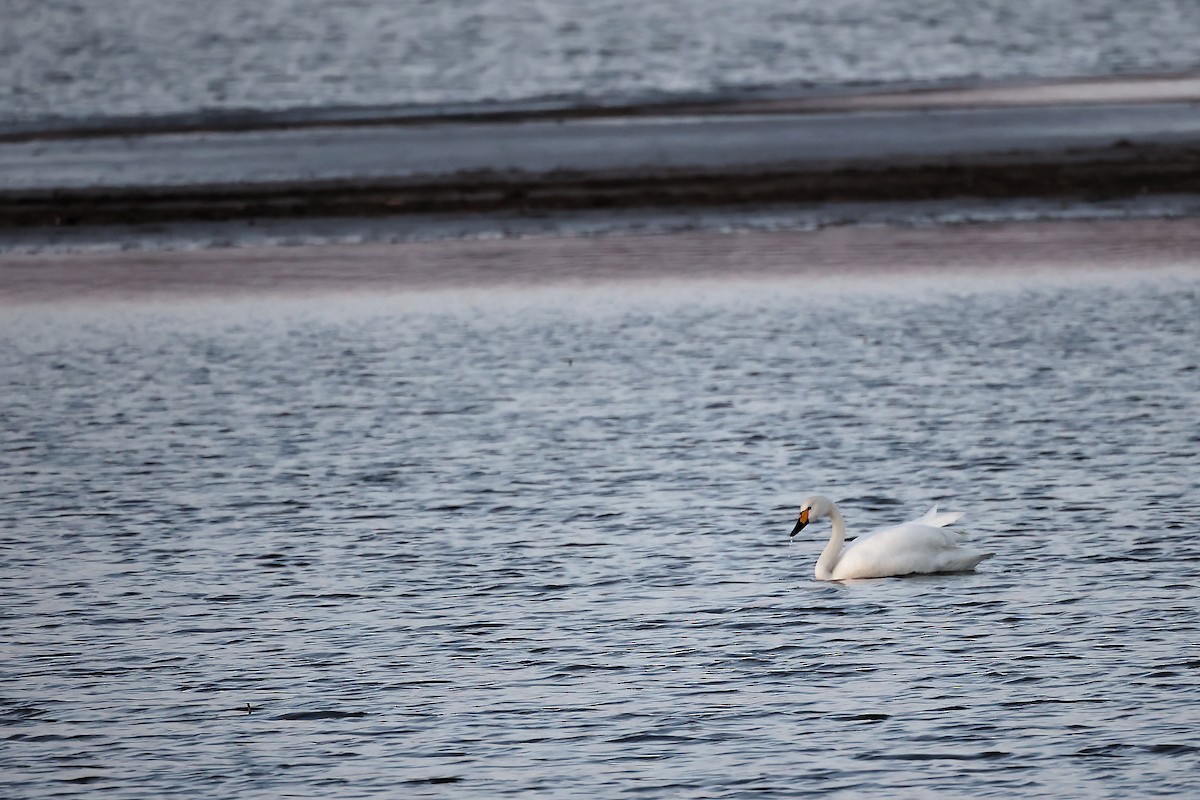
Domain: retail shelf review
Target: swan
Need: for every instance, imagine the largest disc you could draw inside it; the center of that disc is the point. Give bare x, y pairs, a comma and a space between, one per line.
920, 546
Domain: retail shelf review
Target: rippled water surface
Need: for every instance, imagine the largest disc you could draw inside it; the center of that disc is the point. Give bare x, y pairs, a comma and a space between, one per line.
72, 58
469, 545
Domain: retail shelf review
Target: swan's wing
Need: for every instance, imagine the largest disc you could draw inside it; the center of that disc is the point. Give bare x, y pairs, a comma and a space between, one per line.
935, 520
903, 550
916, 535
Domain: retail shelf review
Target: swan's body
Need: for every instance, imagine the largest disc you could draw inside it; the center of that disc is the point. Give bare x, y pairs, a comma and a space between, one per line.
921, 546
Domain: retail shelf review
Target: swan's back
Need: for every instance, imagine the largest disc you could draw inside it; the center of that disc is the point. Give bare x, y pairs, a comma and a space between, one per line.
920, 546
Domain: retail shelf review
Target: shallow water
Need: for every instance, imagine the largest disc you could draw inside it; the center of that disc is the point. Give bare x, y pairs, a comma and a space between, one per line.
475, 544
76, 59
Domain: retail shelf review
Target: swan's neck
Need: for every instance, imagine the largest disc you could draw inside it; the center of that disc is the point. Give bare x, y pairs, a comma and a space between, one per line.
833, 550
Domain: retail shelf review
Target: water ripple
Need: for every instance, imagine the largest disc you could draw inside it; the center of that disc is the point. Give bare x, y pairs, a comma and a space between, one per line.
541, 546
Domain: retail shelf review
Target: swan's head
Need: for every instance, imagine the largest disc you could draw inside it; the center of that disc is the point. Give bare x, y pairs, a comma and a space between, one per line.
813, 508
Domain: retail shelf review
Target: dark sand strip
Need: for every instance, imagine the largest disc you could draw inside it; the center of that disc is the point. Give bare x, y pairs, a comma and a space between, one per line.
376, 268
1122, 170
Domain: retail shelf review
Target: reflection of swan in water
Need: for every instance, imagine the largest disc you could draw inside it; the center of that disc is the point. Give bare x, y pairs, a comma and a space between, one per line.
920, 546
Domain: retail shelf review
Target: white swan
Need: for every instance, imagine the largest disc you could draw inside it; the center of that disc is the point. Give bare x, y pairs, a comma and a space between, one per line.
920, 546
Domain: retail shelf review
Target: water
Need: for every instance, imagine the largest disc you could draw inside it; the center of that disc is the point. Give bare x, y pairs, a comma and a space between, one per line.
75, 59
535, 542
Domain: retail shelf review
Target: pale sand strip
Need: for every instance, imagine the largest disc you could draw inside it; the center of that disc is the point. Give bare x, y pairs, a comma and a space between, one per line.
415, 266
1116, 90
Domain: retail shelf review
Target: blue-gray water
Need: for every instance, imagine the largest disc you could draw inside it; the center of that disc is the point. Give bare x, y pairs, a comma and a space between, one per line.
80, 60
535, 543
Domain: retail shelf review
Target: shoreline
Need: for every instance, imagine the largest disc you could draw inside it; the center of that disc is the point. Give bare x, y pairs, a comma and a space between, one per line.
827, 254
1119, 89
1116, 139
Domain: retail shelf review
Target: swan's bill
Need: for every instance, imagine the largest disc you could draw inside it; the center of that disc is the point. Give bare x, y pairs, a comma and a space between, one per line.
800, 523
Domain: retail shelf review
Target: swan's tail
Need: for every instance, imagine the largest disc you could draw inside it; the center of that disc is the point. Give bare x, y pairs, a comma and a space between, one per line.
935, 520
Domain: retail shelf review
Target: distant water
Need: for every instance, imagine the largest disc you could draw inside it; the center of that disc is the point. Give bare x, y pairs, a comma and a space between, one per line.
536, 544
78, 59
